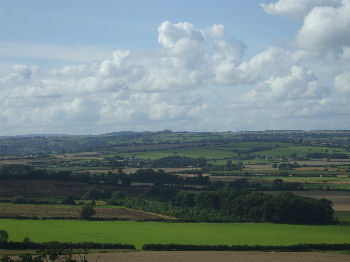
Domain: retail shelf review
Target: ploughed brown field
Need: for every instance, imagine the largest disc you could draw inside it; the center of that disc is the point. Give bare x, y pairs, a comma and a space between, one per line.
341, 200
46, 211
215, 256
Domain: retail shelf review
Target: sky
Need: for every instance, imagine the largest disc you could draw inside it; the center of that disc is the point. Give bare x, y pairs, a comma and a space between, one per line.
98, 66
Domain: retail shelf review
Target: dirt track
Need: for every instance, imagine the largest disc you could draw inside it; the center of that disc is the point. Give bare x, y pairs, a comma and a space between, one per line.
185, 256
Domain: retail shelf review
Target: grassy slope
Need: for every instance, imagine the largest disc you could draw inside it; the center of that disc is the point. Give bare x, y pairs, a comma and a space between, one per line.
139, 233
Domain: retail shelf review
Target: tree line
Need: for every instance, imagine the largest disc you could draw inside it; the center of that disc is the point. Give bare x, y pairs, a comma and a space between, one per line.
229, 205
9, 172
319, 155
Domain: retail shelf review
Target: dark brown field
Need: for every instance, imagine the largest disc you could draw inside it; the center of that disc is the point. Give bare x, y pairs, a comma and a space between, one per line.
341, 200
223, 256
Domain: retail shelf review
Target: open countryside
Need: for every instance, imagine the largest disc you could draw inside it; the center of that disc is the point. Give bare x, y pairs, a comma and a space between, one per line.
176, 131
279, 190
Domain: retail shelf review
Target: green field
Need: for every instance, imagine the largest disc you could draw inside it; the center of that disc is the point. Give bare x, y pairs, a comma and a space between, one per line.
139, 233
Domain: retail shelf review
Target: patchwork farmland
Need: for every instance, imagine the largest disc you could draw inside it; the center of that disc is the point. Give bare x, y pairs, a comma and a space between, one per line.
252, 187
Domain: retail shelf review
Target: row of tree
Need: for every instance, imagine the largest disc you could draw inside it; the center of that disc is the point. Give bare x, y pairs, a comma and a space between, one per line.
320, 155
142, 175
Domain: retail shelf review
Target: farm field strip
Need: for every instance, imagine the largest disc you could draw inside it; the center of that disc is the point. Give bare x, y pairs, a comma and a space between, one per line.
132, 170
301, 150
326, 186
63, 211
222, 256
209, 153
139, 233
268, 178
341, 200
310, 179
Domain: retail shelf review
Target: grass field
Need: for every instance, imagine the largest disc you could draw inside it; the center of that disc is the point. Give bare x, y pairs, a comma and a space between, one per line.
139, 233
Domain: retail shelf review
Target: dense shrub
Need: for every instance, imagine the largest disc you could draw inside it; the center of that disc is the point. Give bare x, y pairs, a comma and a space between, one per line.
87, 211
68, 200
4, 236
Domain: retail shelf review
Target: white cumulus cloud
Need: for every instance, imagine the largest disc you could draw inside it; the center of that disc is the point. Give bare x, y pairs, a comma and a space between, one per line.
298, 84
326, 28
342, 83
196, 80
296, 10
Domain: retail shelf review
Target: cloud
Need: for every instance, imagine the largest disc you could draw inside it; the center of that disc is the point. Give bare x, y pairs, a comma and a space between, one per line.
298, 84
124, 89
326, 28
296, 10
181, 39
196, 80
342, 83
274, 61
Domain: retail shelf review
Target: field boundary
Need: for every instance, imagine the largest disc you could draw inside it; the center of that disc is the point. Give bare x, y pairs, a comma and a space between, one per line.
176, 247
290, 248
84, 245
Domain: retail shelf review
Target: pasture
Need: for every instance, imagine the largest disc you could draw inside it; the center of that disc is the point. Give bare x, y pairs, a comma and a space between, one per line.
139, 233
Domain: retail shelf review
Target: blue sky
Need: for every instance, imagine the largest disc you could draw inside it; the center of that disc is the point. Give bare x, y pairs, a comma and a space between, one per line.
133, 24
98, 66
